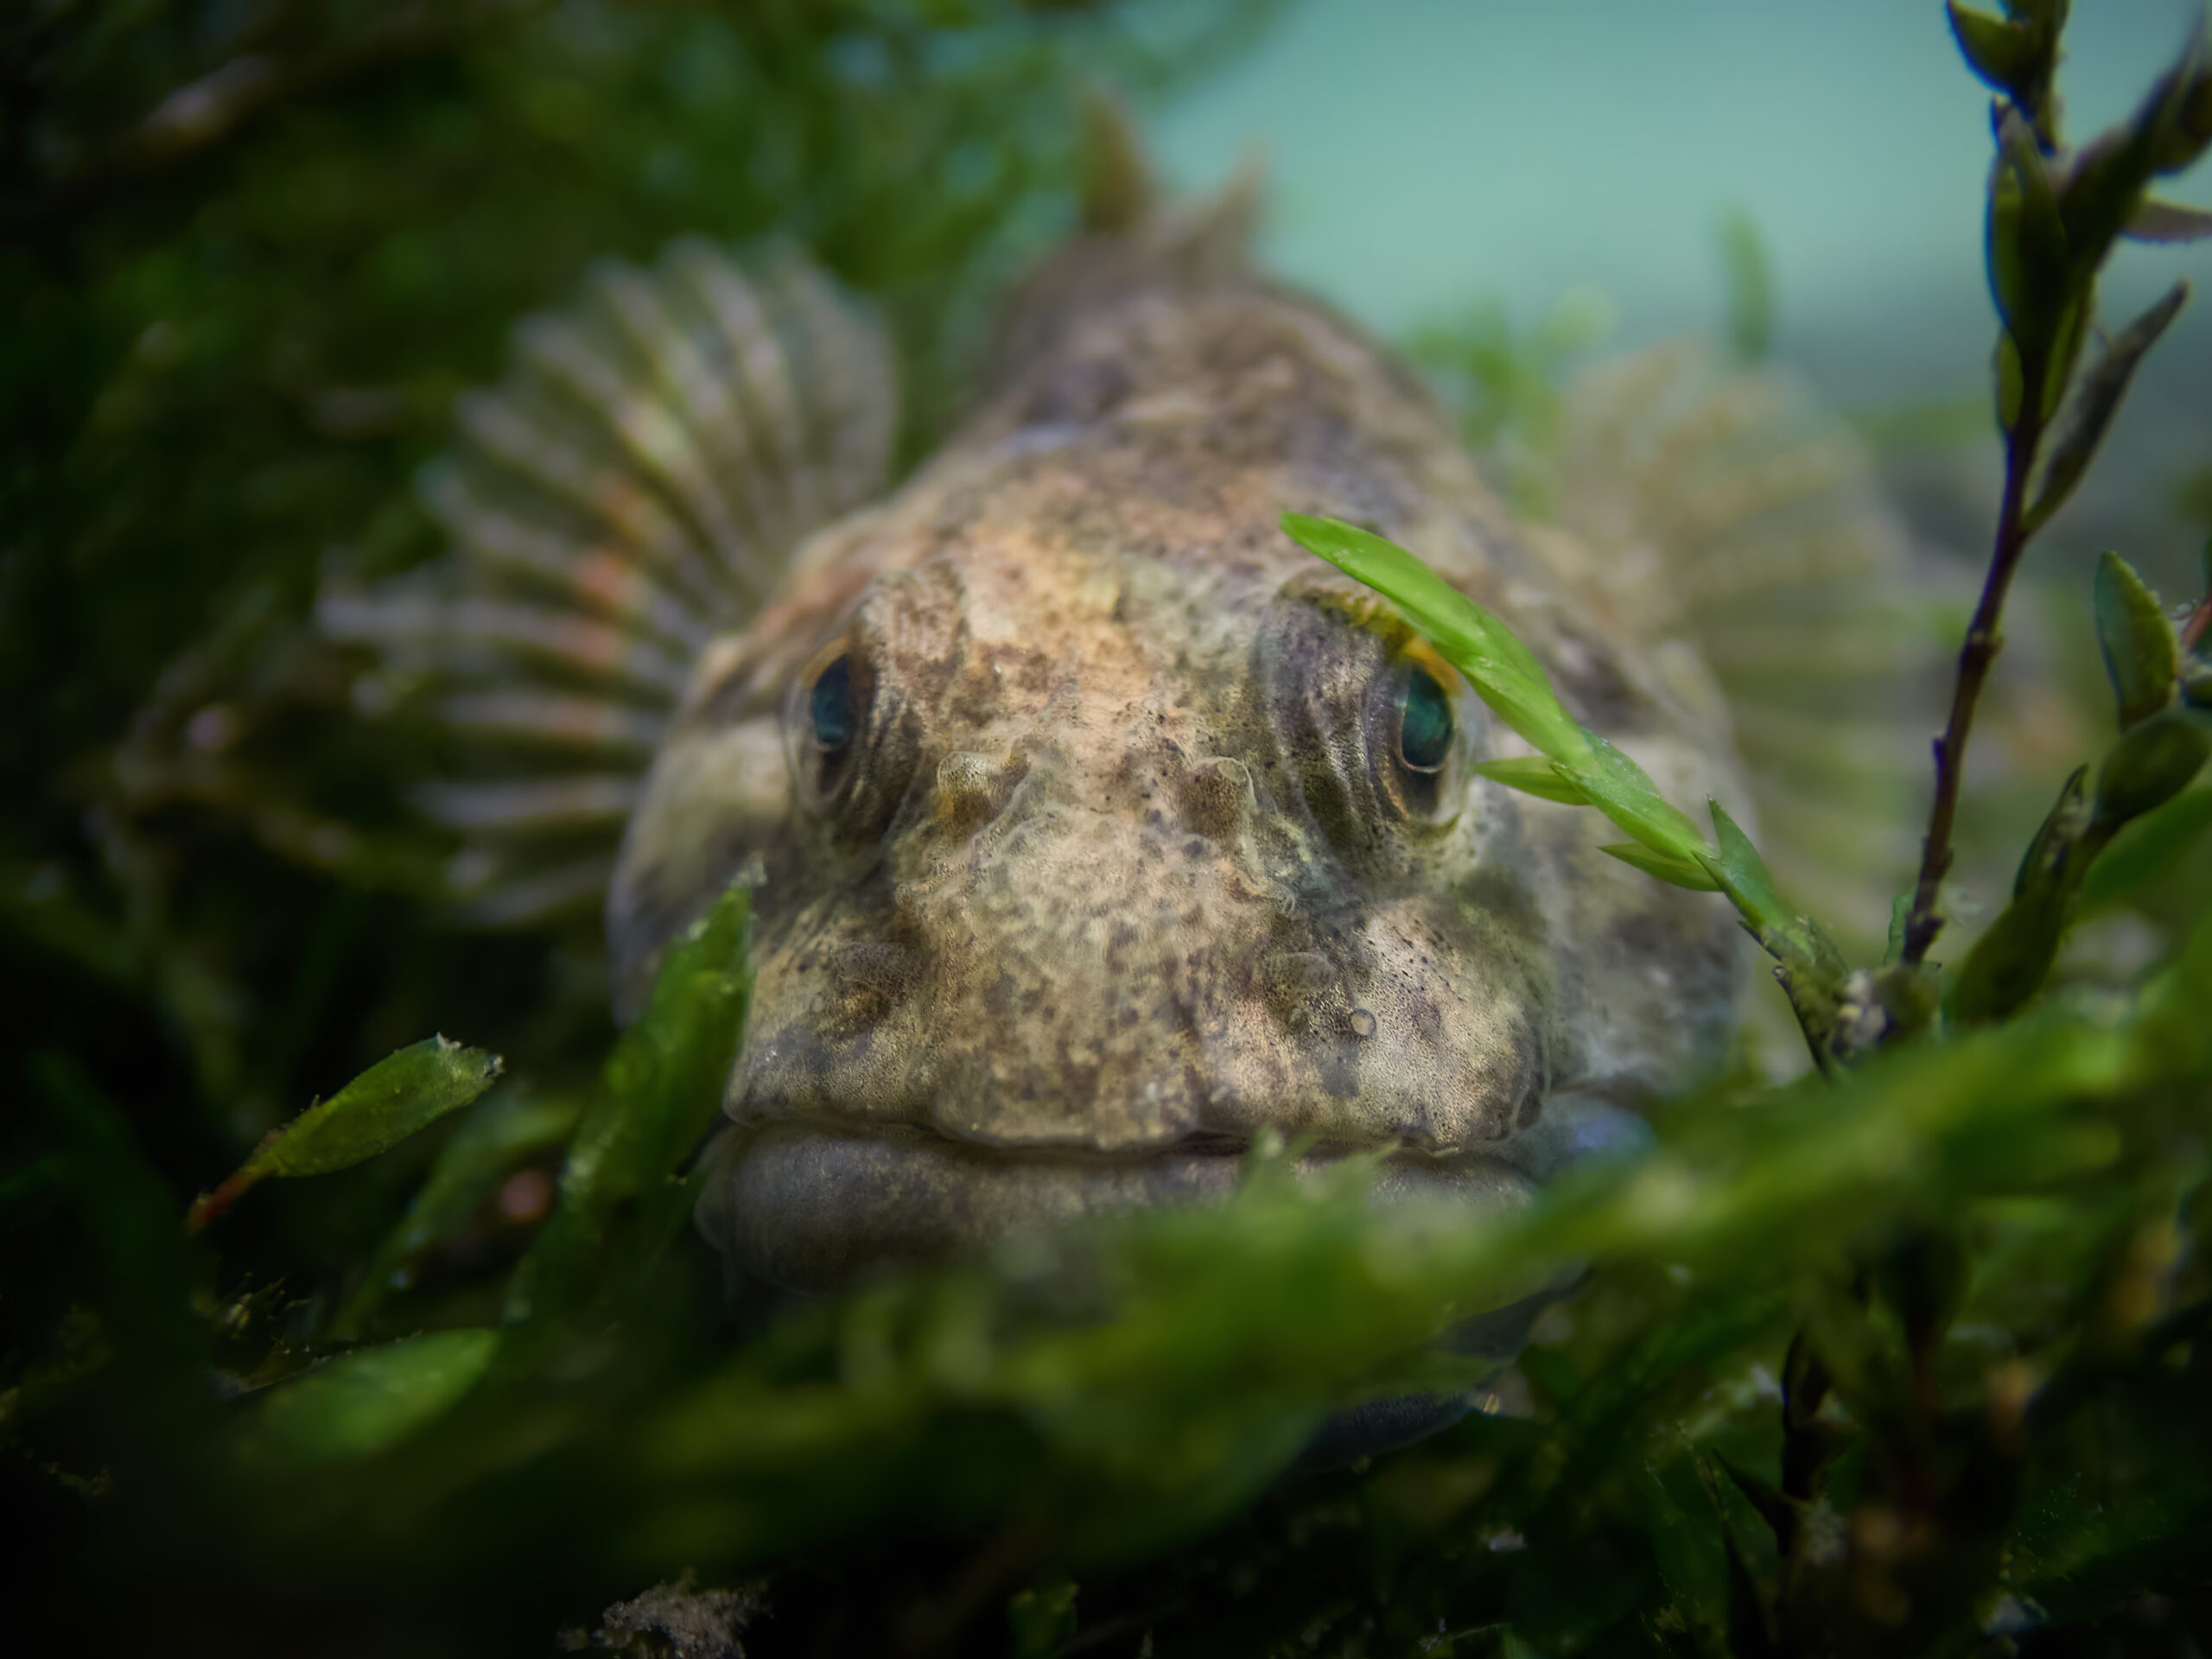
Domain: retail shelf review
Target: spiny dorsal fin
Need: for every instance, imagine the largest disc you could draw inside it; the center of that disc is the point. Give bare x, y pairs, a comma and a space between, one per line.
1730, 511
1118, 191
631, 489
1128, 242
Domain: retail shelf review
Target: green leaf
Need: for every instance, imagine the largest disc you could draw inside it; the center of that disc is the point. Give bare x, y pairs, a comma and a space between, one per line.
2096, 401
2152, 762
1500, 668
2027, 250
2141, 655
1743, 876
2145, 855
1687, 1541
2168, 221
363, 1402
622, 1201
2003, 55
1678, 872
1042, 1618
2012, 958
1532, 774
1749, 1534
2044, 864
1623, 792
399, 1095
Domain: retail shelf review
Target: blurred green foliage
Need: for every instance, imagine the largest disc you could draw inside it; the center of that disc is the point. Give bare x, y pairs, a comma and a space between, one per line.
1914, 1361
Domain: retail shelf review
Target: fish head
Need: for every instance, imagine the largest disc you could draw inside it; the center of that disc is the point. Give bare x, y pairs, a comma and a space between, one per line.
1098, 831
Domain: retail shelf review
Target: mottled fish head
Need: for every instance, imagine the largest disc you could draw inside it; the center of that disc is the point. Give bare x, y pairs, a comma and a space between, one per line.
1098, 830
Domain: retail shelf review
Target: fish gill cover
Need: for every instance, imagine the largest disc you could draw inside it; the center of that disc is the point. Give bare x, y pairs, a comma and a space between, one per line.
1904, 1355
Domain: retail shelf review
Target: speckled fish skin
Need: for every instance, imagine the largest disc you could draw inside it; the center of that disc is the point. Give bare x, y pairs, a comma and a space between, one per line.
1125, 867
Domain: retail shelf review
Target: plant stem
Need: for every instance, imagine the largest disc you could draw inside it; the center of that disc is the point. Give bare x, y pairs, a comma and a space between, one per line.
2022, 441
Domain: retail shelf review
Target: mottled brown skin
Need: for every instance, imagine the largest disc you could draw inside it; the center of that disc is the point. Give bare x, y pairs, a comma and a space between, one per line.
1125, 867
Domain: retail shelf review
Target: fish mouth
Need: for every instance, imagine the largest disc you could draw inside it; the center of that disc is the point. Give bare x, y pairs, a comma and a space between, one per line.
809, 1207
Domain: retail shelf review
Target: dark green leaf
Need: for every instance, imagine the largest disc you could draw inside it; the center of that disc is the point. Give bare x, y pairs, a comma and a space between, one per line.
2003, 55
2010, 961
1748, 1532
2168, 221
365, 1402
1042, 1618
129, 1218
2143, 856
2096, 401
2043, 865
2152, 762
2028, 258
663, 1089
500, 1133
2013, 957
2141, 656
1685, 1528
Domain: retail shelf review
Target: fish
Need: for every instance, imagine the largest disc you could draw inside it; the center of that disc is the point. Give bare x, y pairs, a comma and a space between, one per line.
1096, 832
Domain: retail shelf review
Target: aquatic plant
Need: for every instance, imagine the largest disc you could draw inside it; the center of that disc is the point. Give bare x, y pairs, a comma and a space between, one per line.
1907, 1358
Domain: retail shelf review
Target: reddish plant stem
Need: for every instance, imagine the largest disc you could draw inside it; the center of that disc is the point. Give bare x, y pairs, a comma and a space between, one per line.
1923, 922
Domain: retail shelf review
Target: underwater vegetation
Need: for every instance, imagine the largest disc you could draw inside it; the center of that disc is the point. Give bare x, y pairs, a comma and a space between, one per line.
1907, 1355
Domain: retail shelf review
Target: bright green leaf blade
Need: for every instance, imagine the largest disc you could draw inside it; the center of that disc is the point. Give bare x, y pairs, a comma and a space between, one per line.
1623, 792
1501, 669
365, 1402
1533, 774
622, 1202
2140, 652
390, 1101
1743, 875
1679, 871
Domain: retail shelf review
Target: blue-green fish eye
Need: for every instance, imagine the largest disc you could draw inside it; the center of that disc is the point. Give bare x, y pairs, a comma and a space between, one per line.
831, 705
1424, 723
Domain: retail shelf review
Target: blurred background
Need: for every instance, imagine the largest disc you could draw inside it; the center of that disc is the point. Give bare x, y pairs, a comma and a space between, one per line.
250, 251
1429, 156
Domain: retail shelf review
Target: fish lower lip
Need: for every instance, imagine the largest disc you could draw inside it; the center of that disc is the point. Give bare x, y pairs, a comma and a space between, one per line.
808, 1209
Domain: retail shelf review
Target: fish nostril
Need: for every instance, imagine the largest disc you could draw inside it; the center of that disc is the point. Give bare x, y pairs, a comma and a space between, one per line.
971, 787
1219, 799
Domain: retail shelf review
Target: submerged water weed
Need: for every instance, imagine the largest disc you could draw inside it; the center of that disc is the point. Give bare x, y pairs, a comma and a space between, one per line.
1905, 1360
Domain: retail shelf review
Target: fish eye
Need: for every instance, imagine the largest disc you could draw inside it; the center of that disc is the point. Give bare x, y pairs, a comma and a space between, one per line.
1424, 723
828, 721
830, 705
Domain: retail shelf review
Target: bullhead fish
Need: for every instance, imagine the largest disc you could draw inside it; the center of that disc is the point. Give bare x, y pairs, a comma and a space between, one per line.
1096, 831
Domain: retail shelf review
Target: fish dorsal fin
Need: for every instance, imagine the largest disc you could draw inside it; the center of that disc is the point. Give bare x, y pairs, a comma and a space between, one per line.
1728, 510
632, 488
1128, 241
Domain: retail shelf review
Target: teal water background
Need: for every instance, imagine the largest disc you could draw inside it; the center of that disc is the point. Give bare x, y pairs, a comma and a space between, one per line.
1423, 154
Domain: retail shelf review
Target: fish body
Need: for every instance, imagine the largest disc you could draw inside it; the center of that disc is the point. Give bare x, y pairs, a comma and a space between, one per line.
1096, 831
